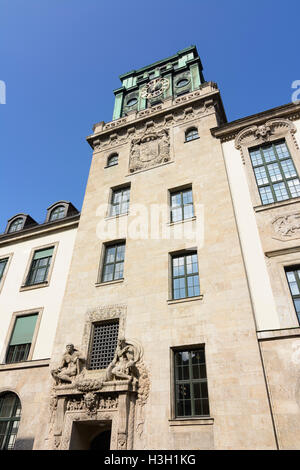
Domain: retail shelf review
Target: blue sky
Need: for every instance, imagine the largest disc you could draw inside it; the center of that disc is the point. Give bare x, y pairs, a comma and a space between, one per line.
61, 59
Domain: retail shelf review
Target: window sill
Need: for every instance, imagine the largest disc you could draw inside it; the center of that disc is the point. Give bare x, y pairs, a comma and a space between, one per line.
191, 219
116, 216
25, 364
191, 421
108, 283
34, 286
273, 205
187, 299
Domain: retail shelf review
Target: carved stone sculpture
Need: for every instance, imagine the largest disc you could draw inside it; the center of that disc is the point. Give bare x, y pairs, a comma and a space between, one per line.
287, 226
123, 364
70, 366
150, 149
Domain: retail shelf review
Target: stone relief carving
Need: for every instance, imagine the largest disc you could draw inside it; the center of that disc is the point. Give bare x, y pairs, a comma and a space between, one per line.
137, 131
150, 149
287, 226
256, 135
70, 366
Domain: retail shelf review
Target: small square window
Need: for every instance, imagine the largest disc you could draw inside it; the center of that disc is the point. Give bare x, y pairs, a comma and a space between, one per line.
182, 207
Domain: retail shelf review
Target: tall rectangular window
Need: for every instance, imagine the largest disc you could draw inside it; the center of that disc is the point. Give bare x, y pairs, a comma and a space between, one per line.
120, 201
21, 339
275, 173
191, 392
103, 344
182, 205
293, 277
185, 276
3, 263
40, 265
113, 267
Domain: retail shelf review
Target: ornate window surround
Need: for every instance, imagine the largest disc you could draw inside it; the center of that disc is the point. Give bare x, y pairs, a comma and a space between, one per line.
253, 136
101, 314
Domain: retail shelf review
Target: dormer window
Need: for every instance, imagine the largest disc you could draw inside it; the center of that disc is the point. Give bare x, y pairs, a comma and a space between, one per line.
182, 82
16, 225
57, 213
191, 134
113, 159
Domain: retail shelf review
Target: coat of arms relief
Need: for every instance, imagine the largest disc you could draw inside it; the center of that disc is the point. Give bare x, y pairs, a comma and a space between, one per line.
151, 149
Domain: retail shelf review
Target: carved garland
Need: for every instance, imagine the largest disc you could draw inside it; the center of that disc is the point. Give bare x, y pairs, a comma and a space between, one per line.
257, 135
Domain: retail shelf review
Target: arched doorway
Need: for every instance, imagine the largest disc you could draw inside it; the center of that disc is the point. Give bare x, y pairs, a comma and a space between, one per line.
101, 441
10, 415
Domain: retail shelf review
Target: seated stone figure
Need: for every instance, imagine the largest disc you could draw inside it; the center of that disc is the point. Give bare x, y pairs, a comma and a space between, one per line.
123, 363
69, 366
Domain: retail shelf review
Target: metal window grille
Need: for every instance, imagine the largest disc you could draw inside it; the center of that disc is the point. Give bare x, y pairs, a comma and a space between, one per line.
191, 392
275, 173
104, 343
10, 414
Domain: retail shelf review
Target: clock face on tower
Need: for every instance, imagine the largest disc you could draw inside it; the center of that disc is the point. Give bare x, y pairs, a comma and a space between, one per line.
155, 88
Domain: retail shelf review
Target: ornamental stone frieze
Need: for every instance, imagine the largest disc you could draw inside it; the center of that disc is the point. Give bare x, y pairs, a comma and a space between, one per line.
264, 133
287, 227
116, 395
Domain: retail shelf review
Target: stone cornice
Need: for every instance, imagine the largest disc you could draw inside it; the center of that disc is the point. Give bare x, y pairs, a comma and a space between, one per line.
229, 131
162, 110
67, 223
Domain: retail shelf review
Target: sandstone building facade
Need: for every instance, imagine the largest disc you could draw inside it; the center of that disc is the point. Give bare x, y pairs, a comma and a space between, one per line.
178, 328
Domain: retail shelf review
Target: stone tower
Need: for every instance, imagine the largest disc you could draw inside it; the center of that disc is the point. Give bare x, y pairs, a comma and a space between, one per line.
162, 349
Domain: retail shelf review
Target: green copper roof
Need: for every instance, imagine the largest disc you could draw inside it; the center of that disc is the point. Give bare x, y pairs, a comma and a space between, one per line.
180, 53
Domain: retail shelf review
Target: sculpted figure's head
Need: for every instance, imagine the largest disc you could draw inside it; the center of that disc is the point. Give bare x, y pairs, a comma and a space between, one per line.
70, 348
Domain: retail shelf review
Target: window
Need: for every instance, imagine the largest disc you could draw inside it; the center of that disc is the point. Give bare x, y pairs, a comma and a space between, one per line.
39, 268
293, 277
182, 82
57, 213
112, 160
3, 263
191, 393
120, 201
113, 266
182, 205
21, 338
132, 102
185, 277
16, 225
103, 344
275, 174
191, 134
10, 415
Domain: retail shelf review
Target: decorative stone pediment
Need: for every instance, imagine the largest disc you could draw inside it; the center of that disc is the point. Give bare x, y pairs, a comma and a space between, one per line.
287, 227
151, 149
258, 135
